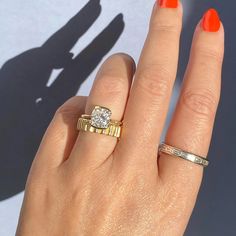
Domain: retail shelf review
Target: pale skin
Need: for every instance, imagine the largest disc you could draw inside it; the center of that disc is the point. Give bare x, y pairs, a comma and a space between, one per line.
83, 183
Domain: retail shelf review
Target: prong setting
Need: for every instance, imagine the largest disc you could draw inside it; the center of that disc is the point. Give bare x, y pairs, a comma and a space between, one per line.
101, 117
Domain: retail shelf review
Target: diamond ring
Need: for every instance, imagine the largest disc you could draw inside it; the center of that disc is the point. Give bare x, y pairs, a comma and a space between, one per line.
100, 122
173, 151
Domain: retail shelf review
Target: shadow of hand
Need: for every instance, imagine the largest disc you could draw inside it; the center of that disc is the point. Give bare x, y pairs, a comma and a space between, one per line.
23, 80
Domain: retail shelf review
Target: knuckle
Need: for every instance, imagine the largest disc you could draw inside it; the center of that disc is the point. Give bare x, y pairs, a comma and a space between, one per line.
210, 54
172, 202
172, 25
154, 81
203, 103
108, 84
67, 108
124, 56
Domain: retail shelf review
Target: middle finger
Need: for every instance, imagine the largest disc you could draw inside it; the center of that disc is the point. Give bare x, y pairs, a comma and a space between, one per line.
149, 98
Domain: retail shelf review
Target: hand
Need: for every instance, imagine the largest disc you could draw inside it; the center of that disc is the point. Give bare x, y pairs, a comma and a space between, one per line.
90, 184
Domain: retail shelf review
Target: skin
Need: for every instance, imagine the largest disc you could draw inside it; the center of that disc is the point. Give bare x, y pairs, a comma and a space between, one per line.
90, 184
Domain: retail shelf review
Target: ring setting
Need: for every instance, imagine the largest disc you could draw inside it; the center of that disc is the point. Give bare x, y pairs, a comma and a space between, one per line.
100, 122
100, 117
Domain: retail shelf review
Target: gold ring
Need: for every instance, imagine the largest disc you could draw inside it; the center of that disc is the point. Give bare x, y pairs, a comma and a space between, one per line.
100, 122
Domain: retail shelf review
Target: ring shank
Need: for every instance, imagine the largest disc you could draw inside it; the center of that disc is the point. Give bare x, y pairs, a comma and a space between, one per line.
167, 149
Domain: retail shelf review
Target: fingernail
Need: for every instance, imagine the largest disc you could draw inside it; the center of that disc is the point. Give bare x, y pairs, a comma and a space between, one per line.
168, 3
211, 21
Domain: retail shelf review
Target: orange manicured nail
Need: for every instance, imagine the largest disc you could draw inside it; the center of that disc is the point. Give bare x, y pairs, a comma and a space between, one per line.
211, 21
168, 3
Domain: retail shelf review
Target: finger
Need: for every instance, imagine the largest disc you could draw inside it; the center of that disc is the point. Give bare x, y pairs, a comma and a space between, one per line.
61, 134
192, 123
110, 90
155, 75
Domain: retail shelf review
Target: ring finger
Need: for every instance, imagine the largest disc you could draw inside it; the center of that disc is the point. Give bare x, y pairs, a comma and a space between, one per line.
111, 88
192, 123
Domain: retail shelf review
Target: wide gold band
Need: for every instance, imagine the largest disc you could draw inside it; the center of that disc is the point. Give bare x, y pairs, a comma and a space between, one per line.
114, 128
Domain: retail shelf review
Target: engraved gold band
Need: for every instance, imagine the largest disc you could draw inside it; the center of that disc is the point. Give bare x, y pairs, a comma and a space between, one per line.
173, 151
113, 129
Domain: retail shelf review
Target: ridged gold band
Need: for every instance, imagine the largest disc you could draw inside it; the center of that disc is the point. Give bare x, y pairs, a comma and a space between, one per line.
114, 128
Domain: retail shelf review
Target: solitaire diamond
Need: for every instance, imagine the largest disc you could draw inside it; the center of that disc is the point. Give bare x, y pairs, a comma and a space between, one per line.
100, 117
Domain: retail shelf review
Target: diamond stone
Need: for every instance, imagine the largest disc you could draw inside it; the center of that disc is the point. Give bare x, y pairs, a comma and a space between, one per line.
100, 117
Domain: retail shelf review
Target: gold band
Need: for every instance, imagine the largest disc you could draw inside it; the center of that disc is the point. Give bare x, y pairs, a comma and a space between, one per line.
114, 128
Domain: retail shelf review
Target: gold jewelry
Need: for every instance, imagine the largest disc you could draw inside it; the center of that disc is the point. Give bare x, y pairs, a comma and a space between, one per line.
100, 122
114, 122
173, 151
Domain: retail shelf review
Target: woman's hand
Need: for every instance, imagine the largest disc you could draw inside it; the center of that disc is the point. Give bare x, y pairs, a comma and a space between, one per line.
90, 184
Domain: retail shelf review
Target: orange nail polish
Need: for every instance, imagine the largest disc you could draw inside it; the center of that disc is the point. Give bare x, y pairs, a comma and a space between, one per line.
168, 3
211, 21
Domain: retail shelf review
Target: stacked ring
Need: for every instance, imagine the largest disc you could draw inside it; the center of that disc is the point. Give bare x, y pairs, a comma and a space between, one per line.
100, 122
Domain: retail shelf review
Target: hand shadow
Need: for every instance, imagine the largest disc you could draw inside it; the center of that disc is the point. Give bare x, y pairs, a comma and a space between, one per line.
23, 79
217, 196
